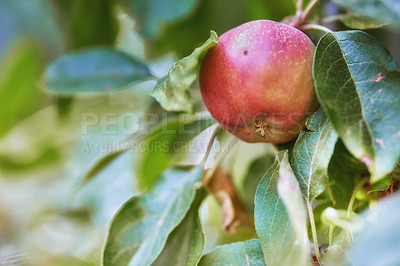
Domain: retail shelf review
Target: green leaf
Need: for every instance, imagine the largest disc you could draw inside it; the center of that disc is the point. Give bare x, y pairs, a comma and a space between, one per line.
150, 14
181, 36
378, 243
141, 227
93, 71
384, 11
382, 185
358, 86
344, 172
172, 91
100, 165
355, 21
255, 172
185, 244
284, 241
311, 155
99, 27
248, 252
173, 136
18, 74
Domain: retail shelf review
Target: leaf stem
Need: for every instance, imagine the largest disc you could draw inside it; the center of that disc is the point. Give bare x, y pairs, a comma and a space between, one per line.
353, 195
353, 198
209, 146
331, 229
313, 231
315, 27
221, 157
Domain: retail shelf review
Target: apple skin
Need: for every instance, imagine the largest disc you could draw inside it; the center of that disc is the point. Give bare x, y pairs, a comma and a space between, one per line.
257, 82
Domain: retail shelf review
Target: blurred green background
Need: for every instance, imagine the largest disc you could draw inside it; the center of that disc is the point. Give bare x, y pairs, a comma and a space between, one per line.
48, 141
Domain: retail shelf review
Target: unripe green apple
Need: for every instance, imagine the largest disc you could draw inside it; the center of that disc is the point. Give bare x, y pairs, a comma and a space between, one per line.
257, 82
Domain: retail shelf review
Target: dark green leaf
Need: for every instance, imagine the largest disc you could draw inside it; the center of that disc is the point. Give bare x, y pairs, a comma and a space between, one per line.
141, 227
378, 243
382, 185
284, 241
311, 155
355, 21
87, 29
252, 178
94, 71
248, 252
159, 147
358, 86
150, 14
172, 91
185, 244
344, 172
181, 36
384, 11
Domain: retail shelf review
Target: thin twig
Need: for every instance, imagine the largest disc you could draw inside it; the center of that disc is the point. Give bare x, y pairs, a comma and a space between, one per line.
307, 12
353, 198
299, 5
353, 195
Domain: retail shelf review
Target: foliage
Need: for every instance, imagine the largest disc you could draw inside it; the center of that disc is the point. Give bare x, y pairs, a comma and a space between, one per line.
110, 132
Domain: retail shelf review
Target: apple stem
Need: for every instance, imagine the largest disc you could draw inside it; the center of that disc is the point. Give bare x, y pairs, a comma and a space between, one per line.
315, 27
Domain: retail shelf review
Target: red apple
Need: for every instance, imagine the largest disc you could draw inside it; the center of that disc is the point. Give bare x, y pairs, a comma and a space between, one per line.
257, 82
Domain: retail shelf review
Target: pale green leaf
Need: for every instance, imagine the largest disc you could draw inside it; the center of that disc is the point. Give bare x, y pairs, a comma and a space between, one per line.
378, 243
94, 71
292, 198
384, 11
282, 239
336, 253
311, 155
358, 85
172, 91
248, 252
355, 21
100, 165
141, 227
348, 221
